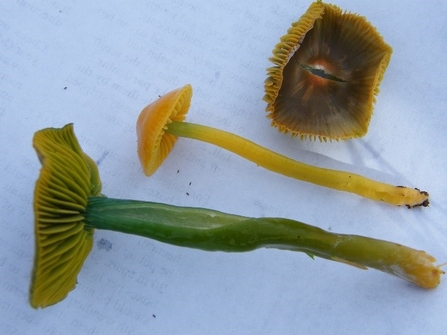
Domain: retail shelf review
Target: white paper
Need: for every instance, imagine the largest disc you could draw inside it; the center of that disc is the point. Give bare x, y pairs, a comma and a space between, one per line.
98, 63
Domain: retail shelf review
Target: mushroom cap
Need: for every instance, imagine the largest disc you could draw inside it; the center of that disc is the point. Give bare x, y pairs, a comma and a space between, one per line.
154, 145
62, 241
327, 72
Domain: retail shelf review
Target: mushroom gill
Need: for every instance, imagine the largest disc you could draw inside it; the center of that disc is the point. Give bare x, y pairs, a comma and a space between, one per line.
67, 178
327, 72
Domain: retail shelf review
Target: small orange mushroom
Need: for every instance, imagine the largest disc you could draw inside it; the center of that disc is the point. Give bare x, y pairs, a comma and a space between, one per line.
162, 122
327, 72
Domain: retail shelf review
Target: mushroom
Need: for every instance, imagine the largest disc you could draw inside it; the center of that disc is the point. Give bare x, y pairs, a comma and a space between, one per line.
328, 68
162, 122
68, 207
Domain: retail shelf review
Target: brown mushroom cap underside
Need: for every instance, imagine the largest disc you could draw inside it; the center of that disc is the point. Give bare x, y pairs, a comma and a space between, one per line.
67, 178
329, 67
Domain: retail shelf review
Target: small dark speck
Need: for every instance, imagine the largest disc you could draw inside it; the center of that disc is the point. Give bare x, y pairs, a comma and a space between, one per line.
189, 183
154, 316
100, 159
178, 171
187, 193
104, 244
65, 87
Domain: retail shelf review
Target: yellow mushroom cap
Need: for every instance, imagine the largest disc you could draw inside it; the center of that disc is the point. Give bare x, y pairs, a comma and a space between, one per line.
154, 145
327, 72
67, 179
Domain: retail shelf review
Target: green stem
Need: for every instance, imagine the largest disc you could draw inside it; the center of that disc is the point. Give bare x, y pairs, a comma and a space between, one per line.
211, 230
339, 180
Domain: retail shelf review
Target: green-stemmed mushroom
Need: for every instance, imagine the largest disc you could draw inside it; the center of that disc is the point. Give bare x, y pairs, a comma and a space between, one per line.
162, 122
69, 206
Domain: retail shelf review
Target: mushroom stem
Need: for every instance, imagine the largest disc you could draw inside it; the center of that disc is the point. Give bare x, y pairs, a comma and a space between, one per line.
212, 230
339, 180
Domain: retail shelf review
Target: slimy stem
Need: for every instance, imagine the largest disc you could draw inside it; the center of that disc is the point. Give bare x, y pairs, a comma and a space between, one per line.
338, 180
211, 230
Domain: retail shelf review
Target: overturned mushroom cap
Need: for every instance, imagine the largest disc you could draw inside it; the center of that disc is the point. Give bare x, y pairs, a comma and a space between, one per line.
154, 144
67, 179
327, 72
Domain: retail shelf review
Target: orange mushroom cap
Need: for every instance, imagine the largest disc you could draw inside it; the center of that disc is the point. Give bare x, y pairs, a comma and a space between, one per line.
154, 145
327, 72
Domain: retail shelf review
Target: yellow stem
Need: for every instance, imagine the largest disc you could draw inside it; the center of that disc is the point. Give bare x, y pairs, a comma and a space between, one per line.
339, 180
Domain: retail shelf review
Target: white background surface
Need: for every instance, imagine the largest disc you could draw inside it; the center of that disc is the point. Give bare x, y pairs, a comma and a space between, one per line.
97, 64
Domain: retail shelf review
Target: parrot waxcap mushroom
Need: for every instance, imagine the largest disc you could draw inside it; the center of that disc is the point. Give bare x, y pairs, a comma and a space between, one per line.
326, 75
